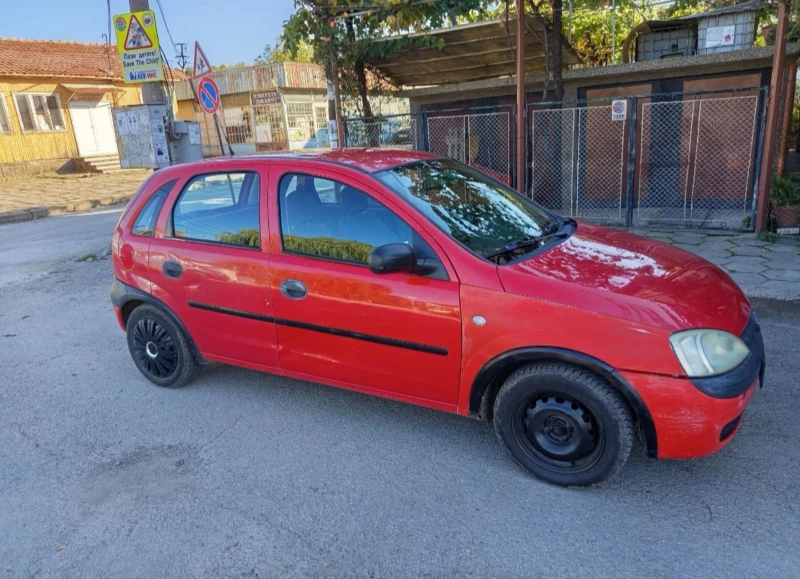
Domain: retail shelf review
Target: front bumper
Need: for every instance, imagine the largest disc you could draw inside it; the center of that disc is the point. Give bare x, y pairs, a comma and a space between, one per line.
688, 423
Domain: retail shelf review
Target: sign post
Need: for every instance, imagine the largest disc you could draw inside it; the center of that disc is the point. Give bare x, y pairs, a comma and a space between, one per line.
138, 47
207, 93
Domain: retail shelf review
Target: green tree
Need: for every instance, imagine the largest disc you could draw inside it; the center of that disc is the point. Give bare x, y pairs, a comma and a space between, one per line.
277, 53
351, 33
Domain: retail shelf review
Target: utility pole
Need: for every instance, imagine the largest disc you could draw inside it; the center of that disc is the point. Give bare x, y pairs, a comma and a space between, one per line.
770, 133
152, 92
181, 57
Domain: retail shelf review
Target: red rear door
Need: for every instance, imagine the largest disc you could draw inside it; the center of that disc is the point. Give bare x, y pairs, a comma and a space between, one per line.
394, 334
209, 265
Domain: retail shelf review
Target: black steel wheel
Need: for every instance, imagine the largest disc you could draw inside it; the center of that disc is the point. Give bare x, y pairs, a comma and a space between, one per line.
159, 347
563, 424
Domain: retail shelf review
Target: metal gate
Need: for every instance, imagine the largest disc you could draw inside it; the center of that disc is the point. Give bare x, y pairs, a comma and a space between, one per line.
697, 162
578, 162
687, 159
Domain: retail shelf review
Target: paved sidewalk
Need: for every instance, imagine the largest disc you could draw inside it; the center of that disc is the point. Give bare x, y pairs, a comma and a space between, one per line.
37, 197
761, 268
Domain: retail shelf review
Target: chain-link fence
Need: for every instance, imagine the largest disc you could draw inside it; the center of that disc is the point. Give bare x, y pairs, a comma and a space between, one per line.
395, 131
483, 140
681, 159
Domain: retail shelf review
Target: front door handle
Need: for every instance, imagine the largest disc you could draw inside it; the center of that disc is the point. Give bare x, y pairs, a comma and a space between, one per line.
172, 269
293, 289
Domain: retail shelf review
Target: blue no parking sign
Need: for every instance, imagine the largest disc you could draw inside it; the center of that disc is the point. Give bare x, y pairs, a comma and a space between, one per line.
208, 95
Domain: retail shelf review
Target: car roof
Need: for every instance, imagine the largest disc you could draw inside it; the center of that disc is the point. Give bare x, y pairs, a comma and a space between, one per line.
367, 160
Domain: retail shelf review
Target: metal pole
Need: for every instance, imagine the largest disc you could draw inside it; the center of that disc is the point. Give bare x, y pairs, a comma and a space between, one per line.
337, 101
765, 182
613, 31
152, 92
521, 96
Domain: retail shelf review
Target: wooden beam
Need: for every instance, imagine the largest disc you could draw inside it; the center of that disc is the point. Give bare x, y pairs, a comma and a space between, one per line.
534, 62
768, 144
786, 125
434, 78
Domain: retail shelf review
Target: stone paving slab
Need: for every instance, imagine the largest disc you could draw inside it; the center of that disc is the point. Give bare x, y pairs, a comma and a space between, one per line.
38, 197
761, 268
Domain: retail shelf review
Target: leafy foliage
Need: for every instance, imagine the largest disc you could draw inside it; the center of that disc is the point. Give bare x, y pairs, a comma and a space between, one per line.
786, 190
278, 53
353, 32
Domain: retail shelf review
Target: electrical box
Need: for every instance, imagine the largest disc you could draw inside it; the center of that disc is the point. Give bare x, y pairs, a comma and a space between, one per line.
148, 138
142, 136
186, 145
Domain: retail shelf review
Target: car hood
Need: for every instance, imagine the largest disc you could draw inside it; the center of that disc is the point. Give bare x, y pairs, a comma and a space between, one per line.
631, 277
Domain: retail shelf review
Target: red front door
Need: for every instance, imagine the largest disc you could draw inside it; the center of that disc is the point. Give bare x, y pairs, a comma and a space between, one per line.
394, 334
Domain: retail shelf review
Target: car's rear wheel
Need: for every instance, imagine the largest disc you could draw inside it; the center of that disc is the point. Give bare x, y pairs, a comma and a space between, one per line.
563, 424
159, 348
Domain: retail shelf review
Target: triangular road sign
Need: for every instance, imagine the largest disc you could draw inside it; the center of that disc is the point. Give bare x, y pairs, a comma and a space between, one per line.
201, 65
137, 38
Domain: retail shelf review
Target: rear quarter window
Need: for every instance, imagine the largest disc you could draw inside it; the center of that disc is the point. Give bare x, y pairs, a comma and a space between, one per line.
145, 223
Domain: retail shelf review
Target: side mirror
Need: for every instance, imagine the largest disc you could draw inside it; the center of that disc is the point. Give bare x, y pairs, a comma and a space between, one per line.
392, 258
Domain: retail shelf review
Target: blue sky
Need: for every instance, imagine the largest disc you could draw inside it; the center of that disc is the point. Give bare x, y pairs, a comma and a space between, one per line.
228, 30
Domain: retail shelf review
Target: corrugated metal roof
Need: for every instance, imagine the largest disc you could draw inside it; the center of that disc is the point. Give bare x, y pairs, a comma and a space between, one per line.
261, 77
753, 6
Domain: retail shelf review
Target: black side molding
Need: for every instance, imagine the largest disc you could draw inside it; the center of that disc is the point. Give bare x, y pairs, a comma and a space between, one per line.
498, 369
324, 329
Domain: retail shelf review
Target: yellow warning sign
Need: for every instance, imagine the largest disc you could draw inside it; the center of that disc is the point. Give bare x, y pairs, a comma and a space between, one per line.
137, 43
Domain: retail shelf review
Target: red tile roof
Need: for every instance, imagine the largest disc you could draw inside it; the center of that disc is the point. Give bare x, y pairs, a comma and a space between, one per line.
58, 58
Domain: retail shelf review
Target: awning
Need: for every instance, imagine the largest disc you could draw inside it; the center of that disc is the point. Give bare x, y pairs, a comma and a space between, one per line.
468, 52
91, 88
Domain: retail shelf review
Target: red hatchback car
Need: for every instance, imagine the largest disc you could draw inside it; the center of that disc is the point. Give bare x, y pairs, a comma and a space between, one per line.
418, 278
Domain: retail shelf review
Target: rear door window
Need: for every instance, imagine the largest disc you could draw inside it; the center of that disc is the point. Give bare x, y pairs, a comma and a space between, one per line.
219, 208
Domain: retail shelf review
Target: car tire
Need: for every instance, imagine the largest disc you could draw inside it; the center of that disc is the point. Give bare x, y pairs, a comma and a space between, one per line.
563, 424
160, 348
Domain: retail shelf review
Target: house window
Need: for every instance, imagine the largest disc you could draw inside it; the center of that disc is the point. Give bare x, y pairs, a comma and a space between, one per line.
39, 112
300, 118
5, 123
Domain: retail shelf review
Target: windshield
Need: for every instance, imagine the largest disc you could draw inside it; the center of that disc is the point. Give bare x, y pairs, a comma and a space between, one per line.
474, 209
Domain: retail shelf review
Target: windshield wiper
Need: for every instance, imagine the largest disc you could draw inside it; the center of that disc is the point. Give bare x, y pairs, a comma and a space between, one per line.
551, 230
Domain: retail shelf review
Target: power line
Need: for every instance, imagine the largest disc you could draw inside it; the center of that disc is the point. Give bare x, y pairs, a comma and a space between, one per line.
164, 19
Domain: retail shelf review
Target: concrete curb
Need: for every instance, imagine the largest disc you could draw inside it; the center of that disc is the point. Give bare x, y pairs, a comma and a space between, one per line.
46, 211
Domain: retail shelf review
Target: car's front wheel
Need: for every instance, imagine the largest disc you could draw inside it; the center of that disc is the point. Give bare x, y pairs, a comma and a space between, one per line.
563, 424
159, 348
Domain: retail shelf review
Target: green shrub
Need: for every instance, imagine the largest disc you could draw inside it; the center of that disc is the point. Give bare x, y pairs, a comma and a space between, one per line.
247, 237
786, 190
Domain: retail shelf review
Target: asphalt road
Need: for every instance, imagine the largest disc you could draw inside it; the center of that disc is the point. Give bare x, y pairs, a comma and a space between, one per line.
241, 474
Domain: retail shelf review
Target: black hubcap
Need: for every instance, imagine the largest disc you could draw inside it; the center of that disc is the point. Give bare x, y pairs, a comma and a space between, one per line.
155, 348
559, 431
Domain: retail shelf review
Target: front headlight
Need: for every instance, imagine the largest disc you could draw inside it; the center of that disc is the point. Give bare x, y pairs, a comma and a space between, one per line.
708, 352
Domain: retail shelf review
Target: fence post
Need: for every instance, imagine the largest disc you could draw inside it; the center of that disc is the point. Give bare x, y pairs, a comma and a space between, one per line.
634, 101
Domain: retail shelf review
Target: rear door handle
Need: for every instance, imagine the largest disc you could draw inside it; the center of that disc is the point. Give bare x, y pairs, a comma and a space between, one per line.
293, 289
172, 269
